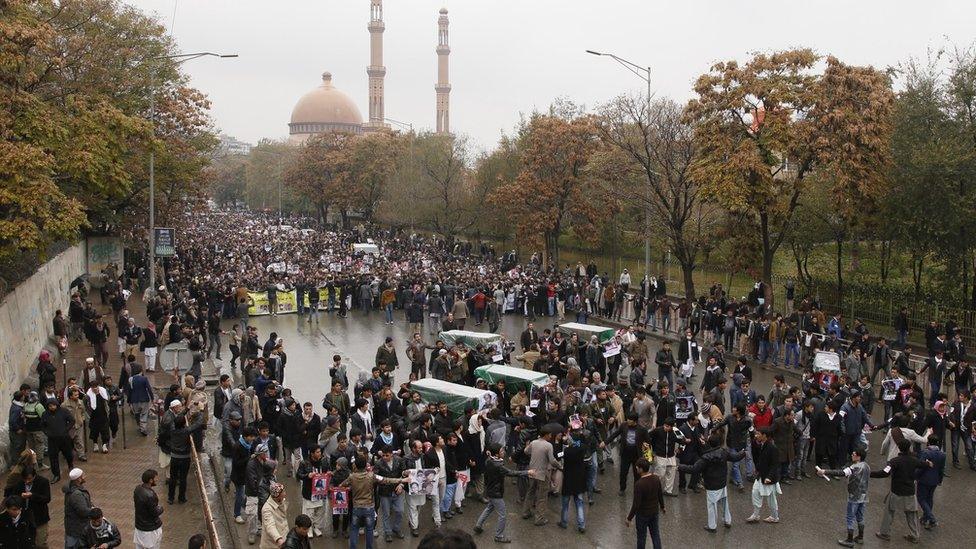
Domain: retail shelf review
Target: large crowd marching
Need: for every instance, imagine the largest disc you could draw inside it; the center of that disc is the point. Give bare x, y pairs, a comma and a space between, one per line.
696, 425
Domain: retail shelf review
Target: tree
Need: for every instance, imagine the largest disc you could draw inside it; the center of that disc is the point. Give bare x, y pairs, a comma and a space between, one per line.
77, 78
318, 172
660, 146
494, 169
550, 191
229, 180
928, 167
960, 96
372, 160
265, 173
764, 127
434, 190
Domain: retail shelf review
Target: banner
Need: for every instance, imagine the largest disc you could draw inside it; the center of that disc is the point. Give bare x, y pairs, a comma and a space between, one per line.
287, 302
260, 306
165, 241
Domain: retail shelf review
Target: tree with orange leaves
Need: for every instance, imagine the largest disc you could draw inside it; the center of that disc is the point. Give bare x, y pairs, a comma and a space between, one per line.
318, 172
550, 191
763, 128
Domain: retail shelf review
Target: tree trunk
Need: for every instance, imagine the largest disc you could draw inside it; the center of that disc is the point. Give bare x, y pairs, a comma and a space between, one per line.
972, 300
917, 265
767, 276
885, 260
687, 270
767, 260
840, 269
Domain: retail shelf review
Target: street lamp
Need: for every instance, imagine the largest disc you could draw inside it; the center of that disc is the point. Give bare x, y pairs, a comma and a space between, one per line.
181, 58
644, 73
400, 124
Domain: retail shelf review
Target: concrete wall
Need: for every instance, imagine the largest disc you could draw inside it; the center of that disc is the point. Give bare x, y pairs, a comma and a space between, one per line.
25, 323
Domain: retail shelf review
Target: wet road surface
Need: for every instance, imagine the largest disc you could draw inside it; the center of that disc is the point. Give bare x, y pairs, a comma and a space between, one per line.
812, 511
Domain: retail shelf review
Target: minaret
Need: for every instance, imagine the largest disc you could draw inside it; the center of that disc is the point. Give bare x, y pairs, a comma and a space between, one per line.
443, 86
376, 70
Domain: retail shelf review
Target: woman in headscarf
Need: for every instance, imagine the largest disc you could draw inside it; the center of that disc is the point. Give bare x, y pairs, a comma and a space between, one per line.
251, 407
475, 440
189, 381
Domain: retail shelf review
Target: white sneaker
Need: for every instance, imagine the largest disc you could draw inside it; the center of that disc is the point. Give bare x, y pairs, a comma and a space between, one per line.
104, 448
239, 519
753, 518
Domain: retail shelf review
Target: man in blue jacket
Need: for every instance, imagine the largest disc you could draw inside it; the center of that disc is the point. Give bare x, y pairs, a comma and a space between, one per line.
140, 396
929, 479
854, 420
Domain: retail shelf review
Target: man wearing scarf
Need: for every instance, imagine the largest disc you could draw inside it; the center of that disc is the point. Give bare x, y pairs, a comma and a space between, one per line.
314, 465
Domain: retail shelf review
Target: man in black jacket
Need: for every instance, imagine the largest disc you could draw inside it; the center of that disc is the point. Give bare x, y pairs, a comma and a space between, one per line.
529, 336
16, 527
179, 446
391, 497
58, 423
99, 532
766, 486
315, 464
664, 441
903, 470
148, 530
36, 493
665, 363
632, 438
738, 425
714, 472
222, 394
495, 473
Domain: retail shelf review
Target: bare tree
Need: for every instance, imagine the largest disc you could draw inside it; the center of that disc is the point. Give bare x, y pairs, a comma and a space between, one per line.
654, 137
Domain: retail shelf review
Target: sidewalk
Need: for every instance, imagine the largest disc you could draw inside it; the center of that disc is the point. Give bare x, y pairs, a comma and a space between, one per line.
111, 478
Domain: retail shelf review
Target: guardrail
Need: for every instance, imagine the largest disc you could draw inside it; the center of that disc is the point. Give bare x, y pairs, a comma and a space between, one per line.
207, 514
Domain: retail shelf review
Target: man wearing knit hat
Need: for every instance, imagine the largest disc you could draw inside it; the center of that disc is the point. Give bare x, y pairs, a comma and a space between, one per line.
77, 507
258, 477
274, 518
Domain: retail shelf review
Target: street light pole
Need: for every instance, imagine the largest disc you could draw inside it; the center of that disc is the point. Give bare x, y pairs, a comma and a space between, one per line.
644, 73
182, 58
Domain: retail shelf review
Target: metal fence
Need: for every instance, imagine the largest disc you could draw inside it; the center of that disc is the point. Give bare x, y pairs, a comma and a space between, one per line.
874, 305
207, 514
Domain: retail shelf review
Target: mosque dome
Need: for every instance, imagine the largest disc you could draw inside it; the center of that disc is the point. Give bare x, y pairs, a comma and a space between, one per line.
322, 110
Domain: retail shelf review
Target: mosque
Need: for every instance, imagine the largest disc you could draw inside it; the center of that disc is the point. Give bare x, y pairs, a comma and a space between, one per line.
328, 109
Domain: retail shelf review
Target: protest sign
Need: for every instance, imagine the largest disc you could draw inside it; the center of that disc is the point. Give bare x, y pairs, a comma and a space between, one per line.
321, 483
422, 481
339, 500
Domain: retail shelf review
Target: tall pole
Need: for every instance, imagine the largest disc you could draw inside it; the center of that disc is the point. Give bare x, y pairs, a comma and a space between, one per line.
646, 77
182, 57
647, 213
152, 198
280, 177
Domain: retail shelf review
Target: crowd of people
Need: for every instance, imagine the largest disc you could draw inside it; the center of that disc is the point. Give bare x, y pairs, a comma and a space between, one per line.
699, 425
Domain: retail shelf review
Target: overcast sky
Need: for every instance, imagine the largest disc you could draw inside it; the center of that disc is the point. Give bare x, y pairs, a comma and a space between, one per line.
512, 56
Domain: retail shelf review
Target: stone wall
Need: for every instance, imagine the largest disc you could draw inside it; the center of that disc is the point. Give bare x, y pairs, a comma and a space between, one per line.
25, 324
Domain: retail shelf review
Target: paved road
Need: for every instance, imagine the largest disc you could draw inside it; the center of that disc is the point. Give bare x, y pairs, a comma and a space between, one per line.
812, 511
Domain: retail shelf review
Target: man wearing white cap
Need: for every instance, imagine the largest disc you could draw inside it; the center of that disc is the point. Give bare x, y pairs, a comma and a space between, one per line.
77, 506
165, 428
